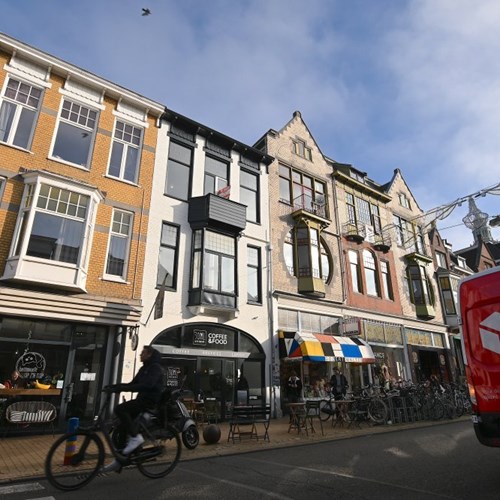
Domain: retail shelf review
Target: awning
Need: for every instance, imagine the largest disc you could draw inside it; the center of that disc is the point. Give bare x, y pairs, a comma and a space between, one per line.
320, 347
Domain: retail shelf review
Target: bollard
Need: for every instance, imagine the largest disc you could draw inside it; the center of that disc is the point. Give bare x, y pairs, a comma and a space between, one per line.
70, 449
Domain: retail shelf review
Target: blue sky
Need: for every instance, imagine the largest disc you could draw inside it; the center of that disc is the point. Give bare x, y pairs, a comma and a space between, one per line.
382, 84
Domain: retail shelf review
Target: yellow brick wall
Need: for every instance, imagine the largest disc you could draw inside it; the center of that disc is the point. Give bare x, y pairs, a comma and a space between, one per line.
128, 197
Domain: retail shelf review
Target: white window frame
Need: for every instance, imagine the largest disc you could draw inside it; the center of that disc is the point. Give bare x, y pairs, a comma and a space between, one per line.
132, 130
85, 129
20, 106
39, 269
116, 230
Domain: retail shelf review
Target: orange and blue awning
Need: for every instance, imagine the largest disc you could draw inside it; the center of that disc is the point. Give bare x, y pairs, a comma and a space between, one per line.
320, 347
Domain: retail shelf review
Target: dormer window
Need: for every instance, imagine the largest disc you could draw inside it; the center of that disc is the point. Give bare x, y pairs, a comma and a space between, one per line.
300, 149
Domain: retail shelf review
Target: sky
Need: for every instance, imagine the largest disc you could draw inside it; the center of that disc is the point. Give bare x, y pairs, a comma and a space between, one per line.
381, 84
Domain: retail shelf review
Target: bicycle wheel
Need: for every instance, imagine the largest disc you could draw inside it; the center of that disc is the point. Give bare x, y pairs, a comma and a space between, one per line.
169, 442
325, 410
74, 460
377, 411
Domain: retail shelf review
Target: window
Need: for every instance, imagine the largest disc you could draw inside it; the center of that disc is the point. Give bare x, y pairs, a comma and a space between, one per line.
58, 226
75, 133
322, 267
409, 235
18, 113
254, 271
124, 162
441, 260
461, 263
404, 200
302, 191
386, 280
119, 244
300, 149
449, 291
180, 162
216, 175
355, 271
168, 256
2, 186
420, 287
214, 262
361, 211
370, 273
249, 195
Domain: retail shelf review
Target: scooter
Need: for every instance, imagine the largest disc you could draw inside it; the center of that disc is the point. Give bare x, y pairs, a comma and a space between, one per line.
179, 416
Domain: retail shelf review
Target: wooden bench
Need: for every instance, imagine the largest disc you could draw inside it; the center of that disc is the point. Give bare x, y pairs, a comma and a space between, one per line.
30, 412
244, 419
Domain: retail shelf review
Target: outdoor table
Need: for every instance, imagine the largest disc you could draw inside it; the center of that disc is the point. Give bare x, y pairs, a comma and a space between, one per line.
342, 412
297, 410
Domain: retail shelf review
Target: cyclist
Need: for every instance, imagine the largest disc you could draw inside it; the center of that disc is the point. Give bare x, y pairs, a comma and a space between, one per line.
149, 384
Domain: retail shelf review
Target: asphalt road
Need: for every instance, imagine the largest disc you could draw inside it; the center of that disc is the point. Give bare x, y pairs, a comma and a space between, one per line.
442, 461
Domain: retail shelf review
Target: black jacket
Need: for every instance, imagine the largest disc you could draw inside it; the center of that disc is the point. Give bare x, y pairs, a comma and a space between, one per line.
148, 382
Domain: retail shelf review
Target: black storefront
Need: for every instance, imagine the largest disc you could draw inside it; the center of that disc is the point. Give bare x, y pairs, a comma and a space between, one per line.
213, 357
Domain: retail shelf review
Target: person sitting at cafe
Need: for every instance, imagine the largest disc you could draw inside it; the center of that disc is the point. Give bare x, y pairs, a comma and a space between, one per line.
15, 381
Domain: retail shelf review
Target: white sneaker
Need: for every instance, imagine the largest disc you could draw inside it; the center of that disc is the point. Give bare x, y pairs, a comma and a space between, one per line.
133, 443
112, 467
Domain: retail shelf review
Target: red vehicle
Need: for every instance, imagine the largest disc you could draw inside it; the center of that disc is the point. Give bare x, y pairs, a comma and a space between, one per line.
479, 299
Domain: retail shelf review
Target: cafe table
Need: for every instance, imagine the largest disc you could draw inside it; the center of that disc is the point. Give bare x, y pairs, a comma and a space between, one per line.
298, 418
342, 412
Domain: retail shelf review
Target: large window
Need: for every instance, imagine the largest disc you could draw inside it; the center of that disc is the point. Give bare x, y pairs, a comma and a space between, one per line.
372, 287
409, 235
168, 256
18, 112
58, 226
119, 244
216, 175
254, 272
302, 191
214, 262
420, 287
180, 161
125, 153
361, 211
355, 271
313, 256
249, 195
75, 133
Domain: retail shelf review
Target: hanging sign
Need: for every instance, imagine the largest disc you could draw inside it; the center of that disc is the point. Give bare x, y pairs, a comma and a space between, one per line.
31, 365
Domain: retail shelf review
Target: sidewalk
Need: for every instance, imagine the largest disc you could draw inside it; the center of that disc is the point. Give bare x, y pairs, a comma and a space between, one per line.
23, 457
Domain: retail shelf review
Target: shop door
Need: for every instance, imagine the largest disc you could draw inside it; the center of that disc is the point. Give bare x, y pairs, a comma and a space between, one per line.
85, 367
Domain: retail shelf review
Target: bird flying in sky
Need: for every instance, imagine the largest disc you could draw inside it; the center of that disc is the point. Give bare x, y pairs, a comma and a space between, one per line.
146, 12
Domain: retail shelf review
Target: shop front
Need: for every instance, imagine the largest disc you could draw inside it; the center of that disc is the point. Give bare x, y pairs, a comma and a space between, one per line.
58, 362
221, 365
428, 355
312, 356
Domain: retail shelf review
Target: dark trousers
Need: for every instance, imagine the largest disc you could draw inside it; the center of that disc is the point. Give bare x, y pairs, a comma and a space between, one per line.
127, 413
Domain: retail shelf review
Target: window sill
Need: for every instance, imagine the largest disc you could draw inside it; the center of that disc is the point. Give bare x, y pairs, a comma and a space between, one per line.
115, 279
65, 162
130, 183
16, 147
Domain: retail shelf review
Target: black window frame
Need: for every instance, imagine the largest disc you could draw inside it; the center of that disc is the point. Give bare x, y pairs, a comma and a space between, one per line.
258, 269
159, 276
171, 161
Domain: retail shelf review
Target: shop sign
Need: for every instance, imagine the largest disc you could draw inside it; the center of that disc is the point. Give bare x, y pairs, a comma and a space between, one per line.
31, 365
352, 327
173, 376
200, 337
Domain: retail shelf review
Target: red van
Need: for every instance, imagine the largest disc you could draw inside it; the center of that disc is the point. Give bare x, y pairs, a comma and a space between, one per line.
479, 299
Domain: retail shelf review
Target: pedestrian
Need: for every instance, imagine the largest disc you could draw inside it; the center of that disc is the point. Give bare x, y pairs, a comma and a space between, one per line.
294, 387
338, 384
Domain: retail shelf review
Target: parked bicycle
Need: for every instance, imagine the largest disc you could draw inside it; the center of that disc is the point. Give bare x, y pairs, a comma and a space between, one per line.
77, 457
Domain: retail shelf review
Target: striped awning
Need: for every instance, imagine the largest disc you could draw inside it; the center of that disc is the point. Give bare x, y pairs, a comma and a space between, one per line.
321, 347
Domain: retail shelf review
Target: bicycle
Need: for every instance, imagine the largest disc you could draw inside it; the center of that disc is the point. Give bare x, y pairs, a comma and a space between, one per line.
77, 457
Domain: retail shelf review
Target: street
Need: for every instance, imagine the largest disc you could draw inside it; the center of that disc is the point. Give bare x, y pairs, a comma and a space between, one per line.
441, 461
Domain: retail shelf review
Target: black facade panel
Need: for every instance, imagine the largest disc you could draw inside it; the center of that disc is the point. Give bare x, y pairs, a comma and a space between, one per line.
215, 211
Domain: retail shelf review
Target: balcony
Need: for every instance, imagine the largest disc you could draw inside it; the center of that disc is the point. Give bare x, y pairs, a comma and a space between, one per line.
354, 231
305, 206
382, 242
217, 212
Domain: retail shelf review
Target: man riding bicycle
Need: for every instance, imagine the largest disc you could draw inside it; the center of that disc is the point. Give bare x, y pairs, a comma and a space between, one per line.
149, 384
